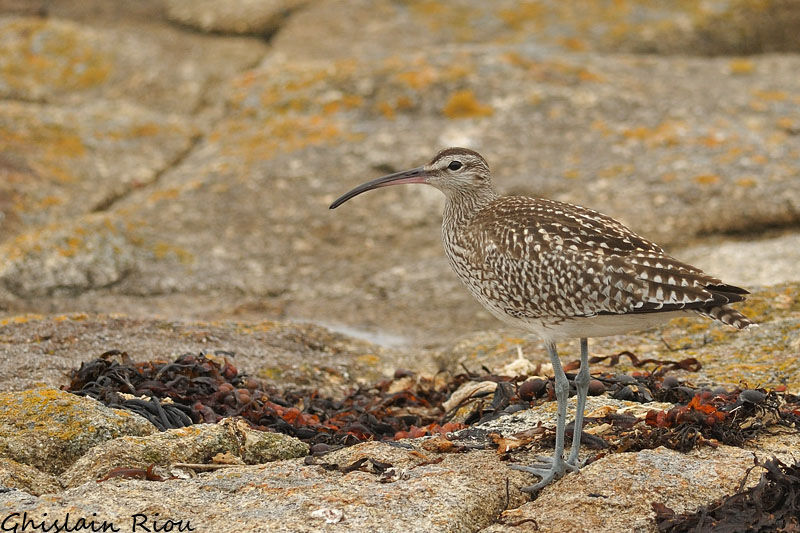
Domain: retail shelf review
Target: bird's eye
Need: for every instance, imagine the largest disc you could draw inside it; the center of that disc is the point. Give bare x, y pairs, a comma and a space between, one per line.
454, 165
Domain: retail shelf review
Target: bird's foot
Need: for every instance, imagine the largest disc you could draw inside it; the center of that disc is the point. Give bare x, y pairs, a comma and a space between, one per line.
544, 461
548, 475
574, 464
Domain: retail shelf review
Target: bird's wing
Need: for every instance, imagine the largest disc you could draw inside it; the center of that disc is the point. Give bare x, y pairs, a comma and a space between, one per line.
565, 260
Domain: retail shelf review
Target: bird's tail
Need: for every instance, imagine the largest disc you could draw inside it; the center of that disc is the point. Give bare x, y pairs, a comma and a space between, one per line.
727, 315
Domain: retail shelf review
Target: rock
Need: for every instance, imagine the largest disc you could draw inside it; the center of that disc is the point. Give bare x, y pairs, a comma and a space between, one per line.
40, 349
50, 429
616, 493
330, 28
92, 253
14, 475
257, 17
430, 492
64, 162
196, 444
60, 61
748, 263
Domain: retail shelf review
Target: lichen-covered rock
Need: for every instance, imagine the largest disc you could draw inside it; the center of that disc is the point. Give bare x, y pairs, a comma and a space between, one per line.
261, 17
44, 349
14, 475
425, 492
93, 252
60, 162
49, 429
196, 444
617, 492
60, 61
330, 28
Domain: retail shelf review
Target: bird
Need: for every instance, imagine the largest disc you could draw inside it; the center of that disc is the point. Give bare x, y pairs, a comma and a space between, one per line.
559, 271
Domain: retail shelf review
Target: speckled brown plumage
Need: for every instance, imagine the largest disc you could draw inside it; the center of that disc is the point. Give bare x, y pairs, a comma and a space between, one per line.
558, 270
555, 267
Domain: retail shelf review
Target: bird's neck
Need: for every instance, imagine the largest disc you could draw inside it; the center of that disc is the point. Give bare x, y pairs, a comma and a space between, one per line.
460, 207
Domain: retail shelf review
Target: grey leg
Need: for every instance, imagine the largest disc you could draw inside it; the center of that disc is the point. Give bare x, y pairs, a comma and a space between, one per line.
557, 465
582, 384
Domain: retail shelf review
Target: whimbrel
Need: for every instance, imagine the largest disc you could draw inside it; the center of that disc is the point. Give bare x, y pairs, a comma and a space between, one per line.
560, 271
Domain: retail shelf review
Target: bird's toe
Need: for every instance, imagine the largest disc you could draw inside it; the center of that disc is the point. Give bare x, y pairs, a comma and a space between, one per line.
546, 470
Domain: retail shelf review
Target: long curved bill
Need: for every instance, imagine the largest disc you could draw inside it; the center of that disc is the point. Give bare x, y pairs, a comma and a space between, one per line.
415, 175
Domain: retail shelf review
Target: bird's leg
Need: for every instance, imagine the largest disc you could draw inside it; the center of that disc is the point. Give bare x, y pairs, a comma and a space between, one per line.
582, 385
557, 466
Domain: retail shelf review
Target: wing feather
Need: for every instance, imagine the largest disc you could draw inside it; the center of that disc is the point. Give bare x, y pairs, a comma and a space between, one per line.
557, 259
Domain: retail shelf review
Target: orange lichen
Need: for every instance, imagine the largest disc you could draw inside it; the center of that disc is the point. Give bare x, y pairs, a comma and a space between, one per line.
163, 250
463, 104
769, 96
707, 179
418, 79
741, 66
342, 103
787, 124
573, 43
552, 71
50, 52
664, 134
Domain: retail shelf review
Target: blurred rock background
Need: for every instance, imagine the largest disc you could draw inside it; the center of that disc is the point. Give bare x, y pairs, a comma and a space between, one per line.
176, 158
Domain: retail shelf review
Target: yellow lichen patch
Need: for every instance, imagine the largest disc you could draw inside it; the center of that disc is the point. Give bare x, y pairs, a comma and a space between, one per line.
50, 201
23, 319
572, 174
164, 194
147, 129
615, 170
444, 16
369, 359
70, 247
285, 134
707, 179
711, 140
665, 134
788, 124
524, 13
732, 154
602, 127
554, 72
386, 109
769, 96
163, 250
418, 79
463, 104
400, 104
573, 43
746, 182
741, 66
342, 103
52, 53
269, 372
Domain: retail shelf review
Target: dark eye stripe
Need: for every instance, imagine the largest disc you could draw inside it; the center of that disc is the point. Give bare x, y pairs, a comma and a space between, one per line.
454, 165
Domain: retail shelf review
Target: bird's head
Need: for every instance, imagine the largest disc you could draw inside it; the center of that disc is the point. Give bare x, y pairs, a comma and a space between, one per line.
454, 171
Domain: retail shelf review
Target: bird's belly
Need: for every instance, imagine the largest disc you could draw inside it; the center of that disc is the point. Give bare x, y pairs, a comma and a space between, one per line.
558, 328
